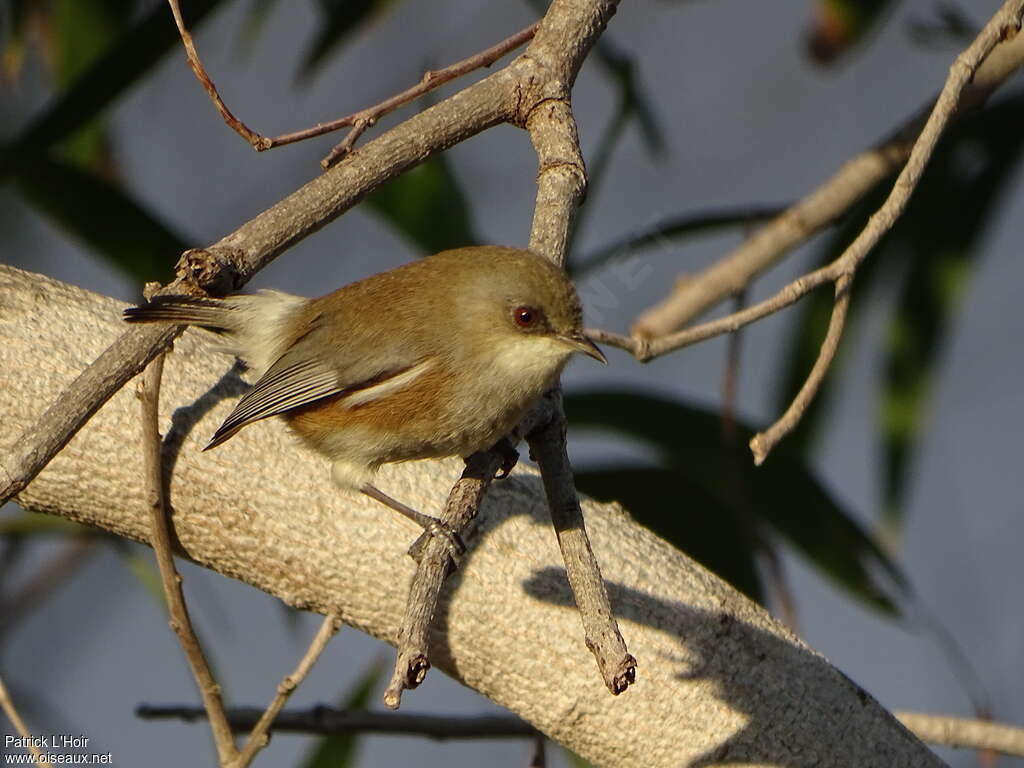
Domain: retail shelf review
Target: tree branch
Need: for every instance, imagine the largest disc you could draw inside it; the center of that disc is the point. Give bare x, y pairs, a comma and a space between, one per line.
762, 443
1004, 24
965, 733
161, 541
819, 209
258, 736
719, 672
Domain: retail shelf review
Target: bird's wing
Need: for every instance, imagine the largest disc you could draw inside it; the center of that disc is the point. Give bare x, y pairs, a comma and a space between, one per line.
303, 375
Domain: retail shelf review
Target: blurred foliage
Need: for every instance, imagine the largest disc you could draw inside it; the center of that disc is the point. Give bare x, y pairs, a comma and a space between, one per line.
102, 215
339, 19
341, 749
703, 493
426, 205
839, 25
947, 26
708, 499
674, 228
929, 254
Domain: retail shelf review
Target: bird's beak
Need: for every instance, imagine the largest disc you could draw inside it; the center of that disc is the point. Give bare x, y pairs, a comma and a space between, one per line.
579, 342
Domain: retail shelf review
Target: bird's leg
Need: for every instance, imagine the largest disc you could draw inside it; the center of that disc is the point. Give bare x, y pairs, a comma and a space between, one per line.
431, 525
509, 457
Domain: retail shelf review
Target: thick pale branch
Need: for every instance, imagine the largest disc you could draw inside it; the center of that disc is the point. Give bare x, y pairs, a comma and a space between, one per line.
720, 676
227, 264
965, 733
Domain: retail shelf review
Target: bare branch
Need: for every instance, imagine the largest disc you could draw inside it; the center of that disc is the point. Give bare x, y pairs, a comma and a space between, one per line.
258, 737
434, 565
19, 725
359, 121
160, 539
601, 631
1003, 25
257, 141
432, 79
507, 626
965, 733
762, 443
819, 209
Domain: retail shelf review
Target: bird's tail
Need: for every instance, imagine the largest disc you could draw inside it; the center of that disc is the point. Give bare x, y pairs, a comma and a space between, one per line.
214, 314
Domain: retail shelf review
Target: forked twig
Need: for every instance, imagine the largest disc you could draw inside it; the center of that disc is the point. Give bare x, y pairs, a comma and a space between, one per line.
1004, 24
359, 121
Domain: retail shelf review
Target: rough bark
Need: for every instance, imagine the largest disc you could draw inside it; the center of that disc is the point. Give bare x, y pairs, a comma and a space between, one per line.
719, 681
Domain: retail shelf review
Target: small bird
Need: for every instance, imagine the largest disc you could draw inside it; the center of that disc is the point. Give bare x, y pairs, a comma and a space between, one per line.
439, 357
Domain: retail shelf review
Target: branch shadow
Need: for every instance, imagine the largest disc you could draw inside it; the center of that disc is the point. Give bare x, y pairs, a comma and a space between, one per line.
740, 661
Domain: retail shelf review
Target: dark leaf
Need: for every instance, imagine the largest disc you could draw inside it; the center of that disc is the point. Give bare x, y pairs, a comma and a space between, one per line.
338, 20
427, 206
930, 251
101, 215
339, 750
938, 238
666, 230
782, 493
670, 505
109, 76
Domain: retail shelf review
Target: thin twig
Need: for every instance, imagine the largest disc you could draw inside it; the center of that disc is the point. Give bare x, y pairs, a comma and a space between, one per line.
328, 721
600, 629
257, 738
1004, 24
964, 732
433, 554
820, 208
257, 141
28, 741
434, 564
762, 443
209, 691
431, 79
359, 121
539, 757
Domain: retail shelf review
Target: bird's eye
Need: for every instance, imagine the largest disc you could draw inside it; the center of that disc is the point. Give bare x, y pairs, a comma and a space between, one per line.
525, 317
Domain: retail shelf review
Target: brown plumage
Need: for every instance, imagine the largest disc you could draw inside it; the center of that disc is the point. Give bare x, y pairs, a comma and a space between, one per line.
439, 357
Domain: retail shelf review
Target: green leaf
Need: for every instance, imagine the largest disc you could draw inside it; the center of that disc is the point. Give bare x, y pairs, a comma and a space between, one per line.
669, 504
427, 206
339, 19
938, 238
81, 32
102, 216
782, 494
929, 252
339, 750
137, 49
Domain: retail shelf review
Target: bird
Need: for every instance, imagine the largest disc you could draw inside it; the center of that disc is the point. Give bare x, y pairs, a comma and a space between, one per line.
439, 357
